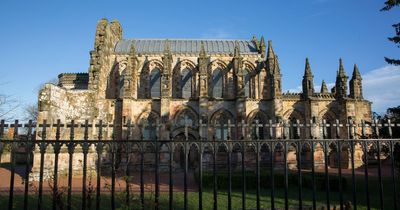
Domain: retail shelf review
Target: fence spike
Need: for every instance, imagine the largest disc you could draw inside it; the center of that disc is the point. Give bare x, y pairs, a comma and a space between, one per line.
376, 128
243, 129
363, 131
270, 129
229, 130
389, 128
337, 129
186, 128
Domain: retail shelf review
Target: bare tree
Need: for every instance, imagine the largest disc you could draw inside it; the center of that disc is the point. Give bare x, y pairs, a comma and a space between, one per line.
7, 106
31, 112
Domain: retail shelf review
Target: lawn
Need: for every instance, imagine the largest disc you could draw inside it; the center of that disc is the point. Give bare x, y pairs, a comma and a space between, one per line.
236, 196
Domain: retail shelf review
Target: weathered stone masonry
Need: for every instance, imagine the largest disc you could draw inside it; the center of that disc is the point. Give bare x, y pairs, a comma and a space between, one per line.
215, 81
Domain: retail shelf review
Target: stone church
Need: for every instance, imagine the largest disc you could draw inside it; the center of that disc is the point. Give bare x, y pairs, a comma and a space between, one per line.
176, 81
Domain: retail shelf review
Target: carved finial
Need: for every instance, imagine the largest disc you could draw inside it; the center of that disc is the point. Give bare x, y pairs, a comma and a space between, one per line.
270, 53
341, 68
236, 53
355, 84
256, 43
307, 83
202, 50
341, 82
132, 50
307, 70
356, 72
167, 49
324, 88
263, 47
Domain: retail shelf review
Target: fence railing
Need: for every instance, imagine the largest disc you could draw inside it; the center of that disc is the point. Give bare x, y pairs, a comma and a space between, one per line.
284, 173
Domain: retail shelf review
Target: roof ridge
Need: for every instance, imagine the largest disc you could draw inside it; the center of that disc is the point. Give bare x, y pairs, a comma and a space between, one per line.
184, 39
186, 45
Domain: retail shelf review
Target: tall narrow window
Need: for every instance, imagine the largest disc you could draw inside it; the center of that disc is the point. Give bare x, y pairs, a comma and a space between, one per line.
186, 83
155, 83
217, 83
150, 131
246, 84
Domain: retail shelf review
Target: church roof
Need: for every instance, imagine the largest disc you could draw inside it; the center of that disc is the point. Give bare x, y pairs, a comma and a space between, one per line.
212, 46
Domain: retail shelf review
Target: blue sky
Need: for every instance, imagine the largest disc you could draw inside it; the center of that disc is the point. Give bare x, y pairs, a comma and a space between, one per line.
40, 39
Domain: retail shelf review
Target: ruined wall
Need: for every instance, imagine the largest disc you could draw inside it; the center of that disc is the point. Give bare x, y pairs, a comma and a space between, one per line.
59, 103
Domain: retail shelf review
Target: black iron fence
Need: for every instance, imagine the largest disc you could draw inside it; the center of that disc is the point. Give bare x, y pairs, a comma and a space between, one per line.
247, 172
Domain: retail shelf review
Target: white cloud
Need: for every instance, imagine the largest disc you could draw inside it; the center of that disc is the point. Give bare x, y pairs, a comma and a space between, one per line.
216, 33
381, 87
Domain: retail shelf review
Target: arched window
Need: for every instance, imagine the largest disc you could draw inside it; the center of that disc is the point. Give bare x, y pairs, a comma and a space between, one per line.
220, 123
257, 124
121, 85
155, 83
247, 83
186, 116
186, 83
149, 127
217, 83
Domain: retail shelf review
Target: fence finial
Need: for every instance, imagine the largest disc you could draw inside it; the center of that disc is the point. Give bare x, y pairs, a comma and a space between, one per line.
186, 128
337, 129
243, 129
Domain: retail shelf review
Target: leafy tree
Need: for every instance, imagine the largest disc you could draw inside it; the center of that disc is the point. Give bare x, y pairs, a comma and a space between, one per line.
389, 4
394, 115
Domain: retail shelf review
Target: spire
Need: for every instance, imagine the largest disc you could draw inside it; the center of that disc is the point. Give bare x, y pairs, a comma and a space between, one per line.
341, 82
167, 58
356, 84
202, 60
167, 48
202, 50
256, 43
272, 60
307, 69
308, 83
132, 50
236, 53
237, 60
270, 53
324, 88
356, 73
341, 68
262, 46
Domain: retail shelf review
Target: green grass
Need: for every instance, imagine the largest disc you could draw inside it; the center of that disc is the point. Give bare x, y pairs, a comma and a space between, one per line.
237, 195
193, 200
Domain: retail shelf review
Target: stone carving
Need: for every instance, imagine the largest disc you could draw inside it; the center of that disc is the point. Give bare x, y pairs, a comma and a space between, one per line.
134, 65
